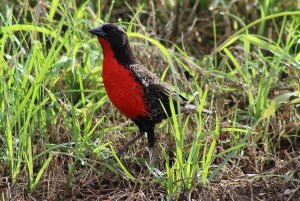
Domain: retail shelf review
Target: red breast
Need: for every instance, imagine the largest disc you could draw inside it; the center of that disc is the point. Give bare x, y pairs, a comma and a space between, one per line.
123, 90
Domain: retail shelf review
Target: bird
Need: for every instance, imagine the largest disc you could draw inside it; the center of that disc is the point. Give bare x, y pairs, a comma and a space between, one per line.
135, 91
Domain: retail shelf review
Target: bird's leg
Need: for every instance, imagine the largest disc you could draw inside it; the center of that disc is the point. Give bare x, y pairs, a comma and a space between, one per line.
125, 147
151, 148
151, 156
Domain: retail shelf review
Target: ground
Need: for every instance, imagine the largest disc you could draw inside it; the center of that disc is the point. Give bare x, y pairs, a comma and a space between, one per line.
58, 128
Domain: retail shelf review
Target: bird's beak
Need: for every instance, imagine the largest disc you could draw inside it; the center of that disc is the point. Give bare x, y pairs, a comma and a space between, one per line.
97, 31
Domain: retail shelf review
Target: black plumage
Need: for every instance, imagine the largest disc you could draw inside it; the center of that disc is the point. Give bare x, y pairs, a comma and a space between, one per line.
156, 93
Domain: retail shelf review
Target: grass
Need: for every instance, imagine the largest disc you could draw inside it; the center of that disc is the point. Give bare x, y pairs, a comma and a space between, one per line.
57, 126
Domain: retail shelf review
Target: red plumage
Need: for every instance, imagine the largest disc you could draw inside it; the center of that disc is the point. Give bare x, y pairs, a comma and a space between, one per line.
123, 90
133, 89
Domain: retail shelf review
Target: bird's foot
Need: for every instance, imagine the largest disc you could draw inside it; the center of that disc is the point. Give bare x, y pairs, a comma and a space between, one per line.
152, 156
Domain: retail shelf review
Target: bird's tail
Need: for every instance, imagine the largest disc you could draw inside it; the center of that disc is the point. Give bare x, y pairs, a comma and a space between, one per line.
189, 108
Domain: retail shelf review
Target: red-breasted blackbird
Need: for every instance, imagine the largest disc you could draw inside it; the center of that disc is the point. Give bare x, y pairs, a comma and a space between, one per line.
133, 89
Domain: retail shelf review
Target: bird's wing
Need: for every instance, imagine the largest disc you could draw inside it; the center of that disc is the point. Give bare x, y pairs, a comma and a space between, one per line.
149, 80
166, 91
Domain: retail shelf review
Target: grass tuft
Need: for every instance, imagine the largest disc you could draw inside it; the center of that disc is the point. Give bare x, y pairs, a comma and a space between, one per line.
238, 60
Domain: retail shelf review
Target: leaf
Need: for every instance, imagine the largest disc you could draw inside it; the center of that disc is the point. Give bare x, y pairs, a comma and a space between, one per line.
256, 40
53, 9
276, 103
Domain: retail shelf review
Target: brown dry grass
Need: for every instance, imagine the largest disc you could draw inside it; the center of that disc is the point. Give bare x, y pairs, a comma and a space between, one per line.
259, 174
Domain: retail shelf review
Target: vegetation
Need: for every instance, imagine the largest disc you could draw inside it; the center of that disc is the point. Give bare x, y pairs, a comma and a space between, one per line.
238, 59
